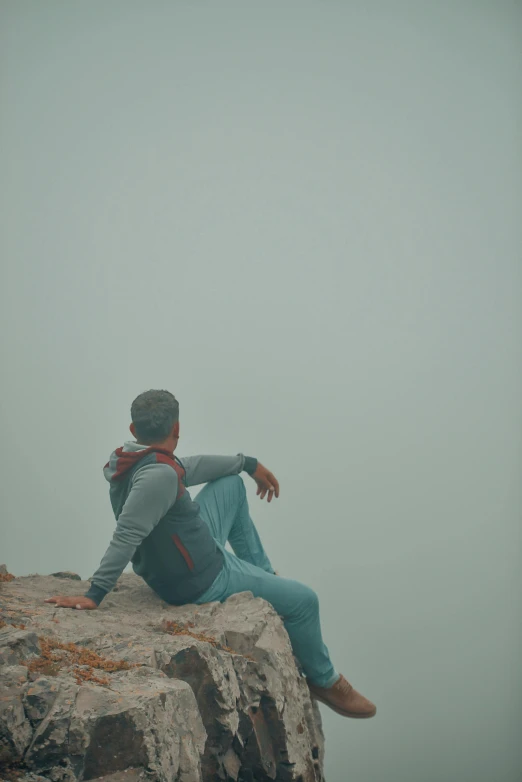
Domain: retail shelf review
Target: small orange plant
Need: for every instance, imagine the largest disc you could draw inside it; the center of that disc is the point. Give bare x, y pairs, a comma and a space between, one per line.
83, 662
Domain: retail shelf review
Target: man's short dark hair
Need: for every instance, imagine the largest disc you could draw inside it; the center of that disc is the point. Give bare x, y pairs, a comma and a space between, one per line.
153, 414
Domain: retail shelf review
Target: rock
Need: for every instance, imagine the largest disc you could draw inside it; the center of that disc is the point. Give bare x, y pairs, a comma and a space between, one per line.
145, 723
50, 740
129, 775
198, 693
39, 697
3, 570
17, 645
67, 574
15, 728
13, 675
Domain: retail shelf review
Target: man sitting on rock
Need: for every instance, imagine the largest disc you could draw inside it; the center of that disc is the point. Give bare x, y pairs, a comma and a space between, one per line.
177, 545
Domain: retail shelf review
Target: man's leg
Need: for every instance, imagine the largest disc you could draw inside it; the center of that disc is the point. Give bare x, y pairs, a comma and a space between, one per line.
296, 603
224, 506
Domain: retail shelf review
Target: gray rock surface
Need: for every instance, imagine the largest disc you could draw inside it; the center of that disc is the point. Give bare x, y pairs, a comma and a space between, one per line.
199, 693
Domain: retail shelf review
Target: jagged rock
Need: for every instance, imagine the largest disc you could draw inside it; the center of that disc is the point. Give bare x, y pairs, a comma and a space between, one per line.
17, 645
3, 570
216, 696
67, 574
129, 775
149, 723
39, 697
13, 675
15, 728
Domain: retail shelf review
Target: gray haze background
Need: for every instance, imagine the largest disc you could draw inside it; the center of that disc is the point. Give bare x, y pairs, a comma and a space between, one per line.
304, 220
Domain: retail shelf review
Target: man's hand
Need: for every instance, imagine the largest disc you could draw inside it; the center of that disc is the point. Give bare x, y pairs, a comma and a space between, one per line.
266, 482
81, 603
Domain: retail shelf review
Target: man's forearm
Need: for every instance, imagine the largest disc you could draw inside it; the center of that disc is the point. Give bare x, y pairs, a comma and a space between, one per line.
116, 559
203, 469
96, 593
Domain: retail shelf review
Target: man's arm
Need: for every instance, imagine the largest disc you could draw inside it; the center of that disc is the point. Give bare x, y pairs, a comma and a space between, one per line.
154, 490
202, 469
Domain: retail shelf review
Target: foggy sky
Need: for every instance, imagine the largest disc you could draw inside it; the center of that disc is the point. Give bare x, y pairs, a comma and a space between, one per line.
303, 219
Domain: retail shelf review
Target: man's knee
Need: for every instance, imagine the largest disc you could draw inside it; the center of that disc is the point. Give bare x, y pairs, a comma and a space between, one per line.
231, 480
308, 599
232, 484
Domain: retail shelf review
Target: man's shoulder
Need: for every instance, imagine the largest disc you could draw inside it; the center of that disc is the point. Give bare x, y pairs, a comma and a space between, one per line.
158, 474
153, 470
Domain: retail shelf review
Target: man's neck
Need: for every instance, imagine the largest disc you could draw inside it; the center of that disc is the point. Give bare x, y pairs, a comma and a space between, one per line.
167, 445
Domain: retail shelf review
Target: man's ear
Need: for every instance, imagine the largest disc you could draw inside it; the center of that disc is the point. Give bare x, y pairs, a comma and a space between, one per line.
132, 429
175, 430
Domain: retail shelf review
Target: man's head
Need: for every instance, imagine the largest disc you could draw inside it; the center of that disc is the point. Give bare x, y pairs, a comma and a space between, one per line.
155, 419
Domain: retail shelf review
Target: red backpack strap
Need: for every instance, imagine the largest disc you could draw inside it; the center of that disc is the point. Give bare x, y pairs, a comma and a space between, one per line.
162, 457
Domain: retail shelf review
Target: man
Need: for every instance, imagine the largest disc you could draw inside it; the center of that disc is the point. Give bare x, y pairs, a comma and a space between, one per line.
178, 546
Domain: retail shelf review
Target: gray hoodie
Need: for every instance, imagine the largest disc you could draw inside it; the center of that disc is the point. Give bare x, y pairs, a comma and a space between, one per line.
159, 528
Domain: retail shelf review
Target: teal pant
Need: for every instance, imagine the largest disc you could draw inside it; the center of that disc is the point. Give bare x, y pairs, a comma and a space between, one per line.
224, 507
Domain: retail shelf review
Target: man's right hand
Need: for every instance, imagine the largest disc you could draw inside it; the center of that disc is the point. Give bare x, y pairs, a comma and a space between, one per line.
80, 603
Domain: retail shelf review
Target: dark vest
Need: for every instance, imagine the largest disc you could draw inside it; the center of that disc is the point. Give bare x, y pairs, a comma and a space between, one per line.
179, 560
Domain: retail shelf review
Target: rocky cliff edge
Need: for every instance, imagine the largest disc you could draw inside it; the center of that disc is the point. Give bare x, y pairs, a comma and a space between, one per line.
140, 691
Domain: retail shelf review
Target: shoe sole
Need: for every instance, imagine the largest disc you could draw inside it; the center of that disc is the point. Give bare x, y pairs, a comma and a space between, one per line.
353, 715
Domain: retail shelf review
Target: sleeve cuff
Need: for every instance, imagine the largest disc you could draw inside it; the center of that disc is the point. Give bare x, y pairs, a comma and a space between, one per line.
96, 593
250, 465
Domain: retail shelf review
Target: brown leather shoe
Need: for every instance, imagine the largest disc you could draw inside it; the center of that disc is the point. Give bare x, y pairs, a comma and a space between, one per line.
343, 699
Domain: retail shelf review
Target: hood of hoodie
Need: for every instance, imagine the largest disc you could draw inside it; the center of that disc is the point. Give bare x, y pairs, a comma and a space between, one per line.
128, 455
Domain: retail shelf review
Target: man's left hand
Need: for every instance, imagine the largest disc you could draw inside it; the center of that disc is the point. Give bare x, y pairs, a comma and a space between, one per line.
266, 483
80, 603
